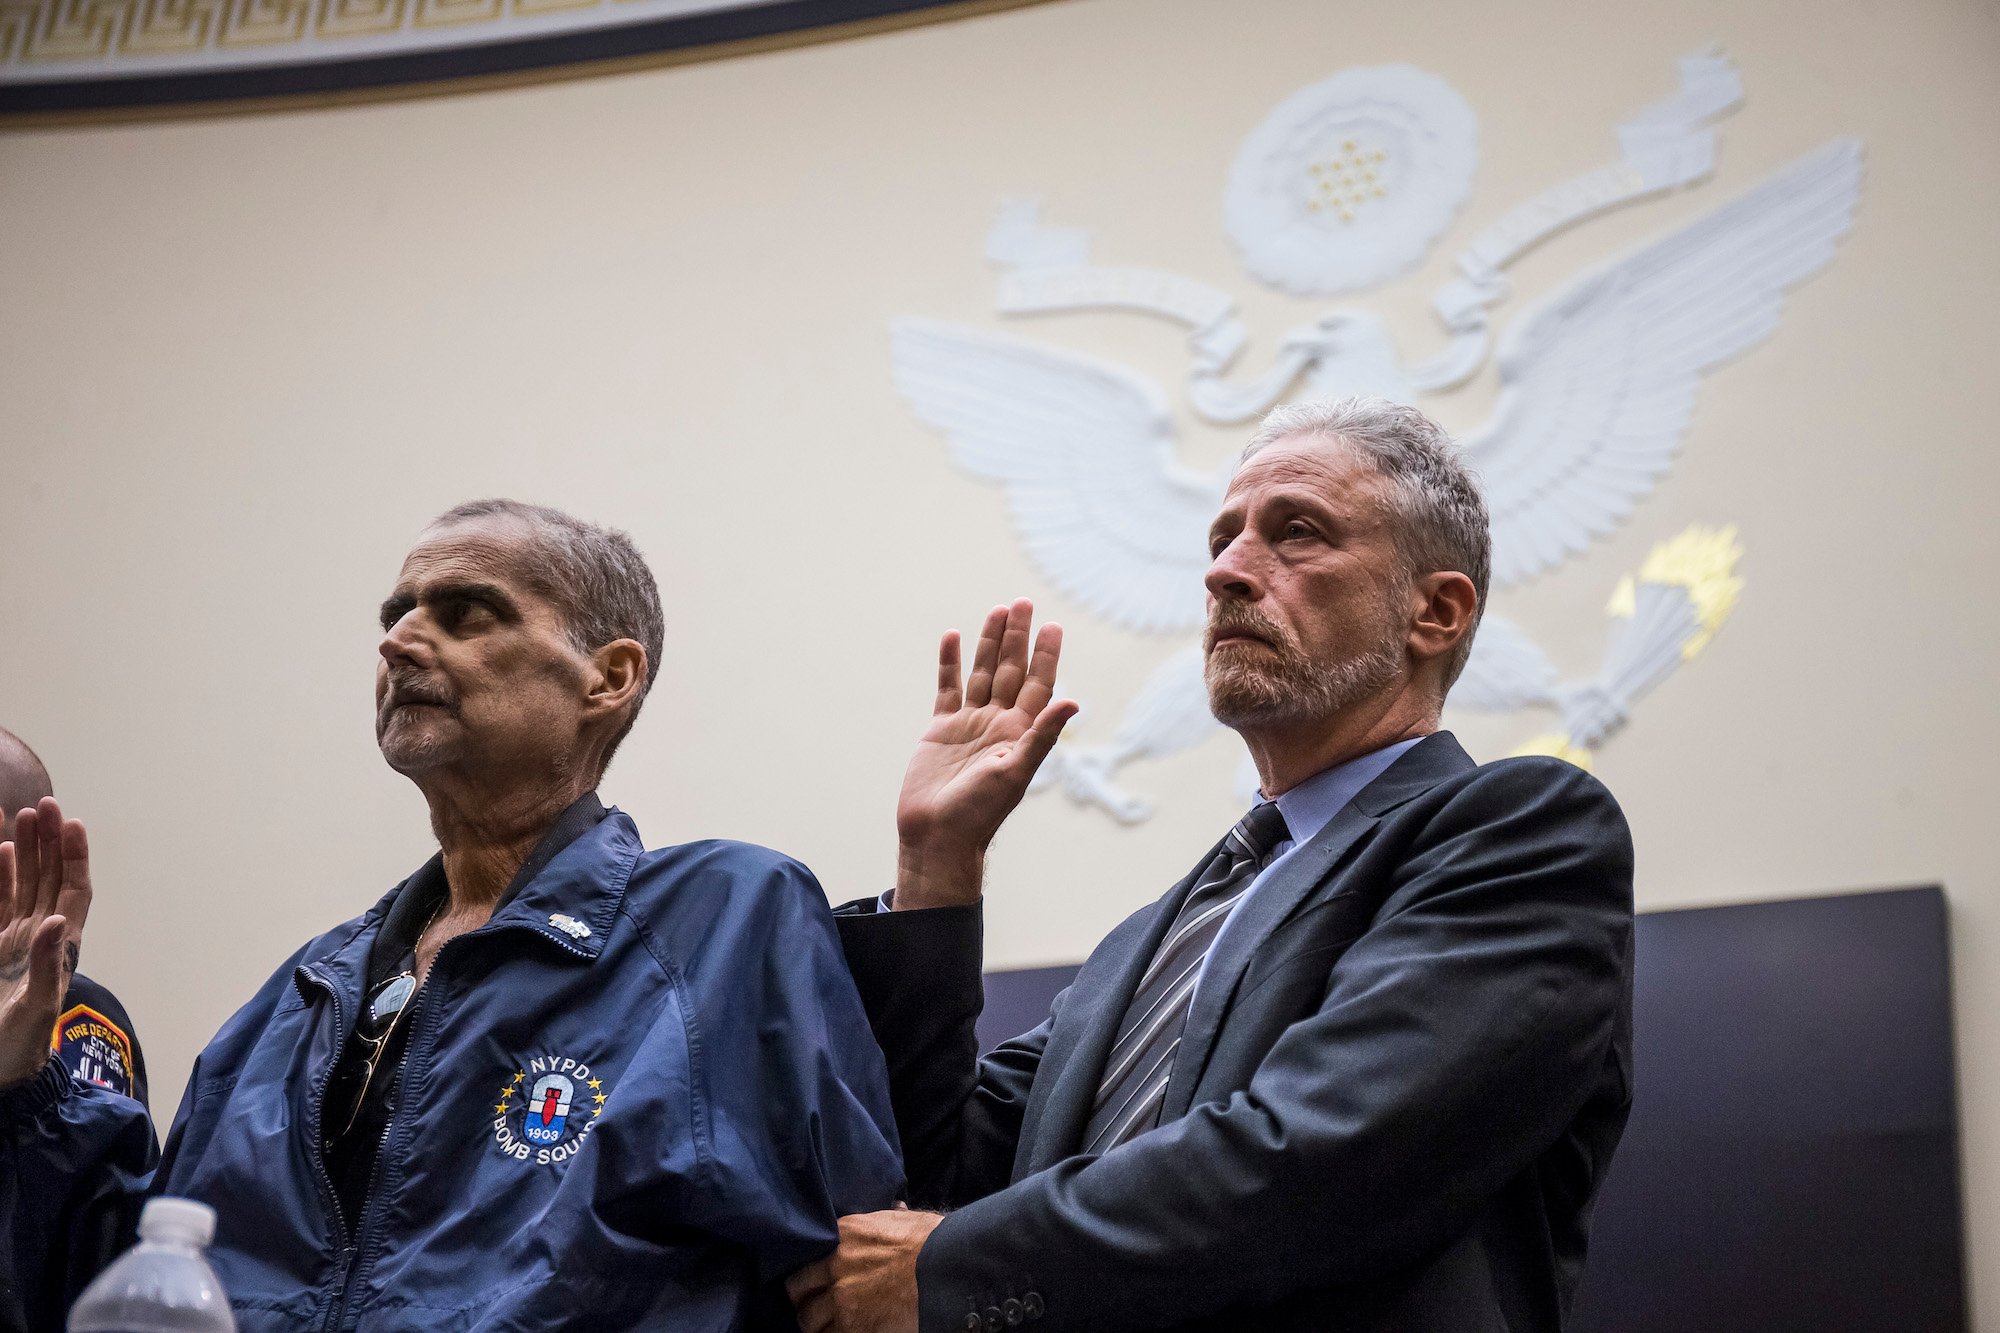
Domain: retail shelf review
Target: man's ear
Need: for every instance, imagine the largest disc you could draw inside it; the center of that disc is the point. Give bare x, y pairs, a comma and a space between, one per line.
1447, 603
617, 677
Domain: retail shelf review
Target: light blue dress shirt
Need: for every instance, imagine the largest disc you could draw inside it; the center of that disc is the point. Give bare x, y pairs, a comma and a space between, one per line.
1308, 808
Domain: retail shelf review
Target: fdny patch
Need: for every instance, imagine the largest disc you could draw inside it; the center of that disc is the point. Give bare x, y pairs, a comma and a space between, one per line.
96, 1049
546, 1110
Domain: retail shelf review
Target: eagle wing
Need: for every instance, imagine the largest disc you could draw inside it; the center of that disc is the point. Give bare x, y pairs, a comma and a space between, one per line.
1084, 448
1505, 670
1598, 384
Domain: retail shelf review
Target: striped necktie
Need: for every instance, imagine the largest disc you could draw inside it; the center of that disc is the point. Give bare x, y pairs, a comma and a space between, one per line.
1142, 1057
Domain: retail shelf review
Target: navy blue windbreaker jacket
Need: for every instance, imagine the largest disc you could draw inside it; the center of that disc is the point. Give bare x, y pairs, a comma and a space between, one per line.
637, 1097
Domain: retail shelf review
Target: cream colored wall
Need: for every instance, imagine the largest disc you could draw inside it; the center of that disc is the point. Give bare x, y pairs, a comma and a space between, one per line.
242, 360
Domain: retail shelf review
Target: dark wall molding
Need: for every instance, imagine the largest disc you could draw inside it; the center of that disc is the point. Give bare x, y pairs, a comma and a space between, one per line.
475, 66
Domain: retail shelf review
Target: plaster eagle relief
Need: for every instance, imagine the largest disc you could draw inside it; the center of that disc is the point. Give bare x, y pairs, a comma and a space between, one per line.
1346, 185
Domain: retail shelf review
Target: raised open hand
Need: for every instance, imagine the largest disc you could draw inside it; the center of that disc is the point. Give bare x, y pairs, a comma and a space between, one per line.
987, 737
44, 898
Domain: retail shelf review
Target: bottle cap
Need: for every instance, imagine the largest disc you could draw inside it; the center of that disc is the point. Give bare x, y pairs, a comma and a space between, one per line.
177, 1220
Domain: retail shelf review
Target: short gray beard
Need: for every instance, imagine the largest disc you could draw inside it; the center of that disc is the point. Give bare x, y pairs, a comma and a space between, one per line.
1286, 688
410, 751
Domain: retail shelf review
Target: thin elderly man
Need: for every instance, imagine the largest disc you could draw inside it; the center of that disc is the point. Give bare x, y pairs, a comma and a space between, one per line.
94, 1036
552, 1079
1364, 1067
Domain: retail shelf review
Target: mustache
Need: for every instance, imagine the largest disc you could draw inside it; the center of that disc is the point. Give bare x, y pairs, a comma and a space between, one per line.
1240, 618
414, 687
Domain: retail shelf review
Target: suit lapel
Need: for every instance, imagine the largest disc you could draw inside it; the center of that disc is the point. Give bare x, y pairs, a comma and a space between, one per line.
1060, 1106
1272, 902
1261, 913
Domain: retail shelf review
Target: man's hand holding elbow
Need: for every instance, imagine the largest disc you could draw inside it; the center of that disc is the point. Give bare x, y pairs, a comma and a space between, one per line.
868, 1284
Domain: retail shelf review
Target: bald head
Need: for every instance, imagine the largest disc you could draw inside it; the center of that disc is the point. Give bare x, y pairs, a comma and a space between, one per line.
23, 780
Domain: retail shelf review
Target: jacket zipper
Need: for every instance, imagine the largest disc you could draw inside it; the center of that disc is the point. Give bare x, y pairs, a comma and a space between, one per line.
352, 1265
316, 1105
361, 1254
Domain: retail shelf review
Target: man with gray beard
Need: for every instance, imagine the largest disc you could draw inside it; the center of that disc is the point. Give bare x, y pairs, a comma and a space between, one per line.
1364, 1067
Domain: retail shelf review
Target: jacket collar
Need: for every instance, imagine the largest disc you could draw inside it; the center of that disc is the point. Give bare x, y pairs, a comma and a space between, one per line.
420, 896
575, 898
1430, 761
1420, 768
571, 901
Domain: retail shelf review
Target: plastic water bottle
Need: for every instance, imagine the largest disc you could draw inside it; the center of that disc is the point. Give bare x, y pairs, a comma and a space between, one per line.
163, 1284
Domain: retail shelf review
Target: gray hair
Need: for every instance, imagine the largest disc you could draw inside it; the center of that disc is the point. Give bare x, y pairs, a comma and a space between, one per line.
594, 576
1441, 516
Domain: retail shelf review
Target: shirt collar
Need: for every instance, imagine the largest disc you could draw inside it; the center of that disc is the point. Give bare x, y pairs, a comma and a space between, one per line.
1311, 806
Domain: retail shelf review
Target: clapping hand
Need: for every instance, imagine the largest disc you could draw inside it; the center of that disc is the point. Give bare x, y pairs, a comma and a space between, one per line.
44, 898
987, 737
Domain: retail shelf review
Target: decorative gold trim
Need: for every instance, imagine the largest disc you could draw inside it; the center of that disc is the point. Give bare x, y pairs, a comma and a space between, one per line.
17, 14
357, 18
447, 13
166, 26
265, 22
66, 29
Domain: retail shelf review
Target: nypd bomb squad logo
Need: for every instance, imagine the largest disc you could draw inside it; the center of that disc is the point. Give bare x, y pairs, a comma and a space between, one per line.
547, 1109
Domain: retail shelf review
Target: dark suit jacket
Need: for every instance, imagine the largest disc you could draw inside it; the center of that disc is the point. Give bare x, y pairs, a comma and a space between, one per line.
1403, 1079
1401, 1082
